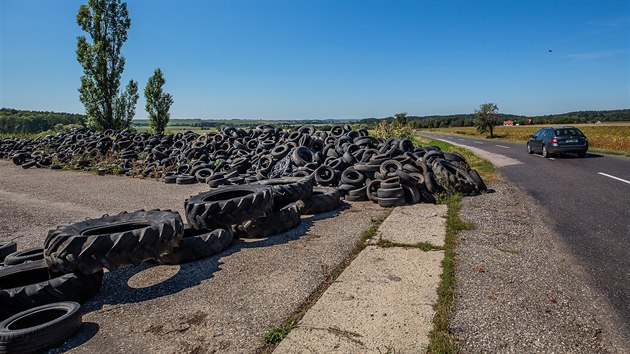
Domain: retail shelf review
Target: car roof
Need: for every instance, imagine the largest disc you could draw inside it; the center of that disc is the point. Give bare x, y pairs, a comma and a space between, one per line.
565, 127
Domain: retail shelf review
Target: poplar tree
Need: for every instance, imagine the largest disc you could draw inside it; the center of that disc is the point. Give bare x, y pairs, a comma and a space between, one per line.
106, 22
158, 103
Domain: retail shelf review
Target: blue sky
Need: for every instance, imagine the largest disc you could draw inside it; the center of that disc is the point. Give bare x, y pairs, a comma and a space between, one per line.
334, 59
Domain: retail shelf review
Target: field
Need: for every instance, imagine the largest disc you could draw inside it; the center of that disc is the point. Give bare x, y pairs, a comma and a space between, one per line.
612, 136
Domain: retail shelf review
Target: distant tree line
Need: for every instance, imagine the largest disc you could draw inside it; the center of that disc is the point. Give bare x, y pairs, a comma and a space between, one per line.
468, 120
14, 121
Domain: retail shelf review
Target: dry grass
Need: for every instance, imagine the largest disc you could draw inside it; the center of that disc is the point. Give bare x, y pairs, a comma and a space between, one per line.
615, 137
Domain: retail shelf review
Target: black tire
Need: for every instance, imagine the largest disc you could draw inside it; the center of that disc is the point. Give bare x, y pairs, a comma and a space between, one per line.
198, 244
478, 181
412, 194
275, 223
397, 192
372, 190
390, 166
27, 285
426, 196
545, 154
6, 248
352, 177
27, 255
325, 175
392, 182
529, 149
581, 154
301, 156
186, 179
430, 183
357, 195
171, 179
287, 190
391, 202
112, 241
324, 199
39, 328
228, 205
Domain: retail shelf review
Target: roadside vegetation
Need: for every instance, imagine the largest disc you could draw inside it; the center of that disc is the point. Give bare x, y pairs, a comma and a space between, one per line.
606, 138
441, 338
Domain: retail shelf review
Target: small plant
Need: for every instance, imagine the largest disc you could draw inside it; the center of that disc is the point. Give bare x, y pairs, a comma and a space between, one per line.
275, 335
385, 130
116, 170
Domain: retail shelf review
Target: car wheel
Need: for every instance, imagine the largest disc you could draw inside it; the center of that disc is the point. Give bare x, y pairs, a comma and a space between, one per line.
529, 149
544, 152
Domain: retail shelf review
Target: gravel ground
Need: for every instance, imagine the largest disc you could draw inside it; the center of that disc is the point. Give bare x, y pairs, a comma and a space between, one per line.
518, 289
220, 304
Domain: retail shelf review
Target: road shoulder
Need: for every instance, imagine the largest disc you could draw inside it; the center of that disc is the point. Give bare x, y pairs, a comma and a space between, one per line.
518, 289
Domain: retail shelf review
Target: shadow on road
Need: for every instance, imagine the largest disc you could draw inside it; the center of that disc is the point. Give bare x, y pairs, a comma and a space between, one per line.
87, 331
575, 156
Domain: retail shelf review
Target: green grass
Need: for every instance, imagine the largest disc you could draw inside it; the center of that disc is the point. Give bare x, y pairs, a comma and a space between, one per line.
441, 339
425, 246
277, 334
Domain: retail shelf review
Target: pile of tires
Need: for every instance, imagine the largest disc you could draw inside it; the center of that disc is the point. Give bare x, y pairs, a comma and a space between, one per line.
69, 266
351, 161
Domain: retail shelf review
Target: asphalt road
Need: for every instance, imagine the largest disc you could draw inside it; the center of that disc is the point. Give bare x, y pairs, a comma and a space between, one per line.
589, 201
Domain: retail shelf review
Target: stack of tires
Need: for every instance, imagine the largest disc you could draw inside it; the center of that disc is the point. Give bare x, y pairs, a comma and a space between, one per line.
257, 210
342, 158
41, 288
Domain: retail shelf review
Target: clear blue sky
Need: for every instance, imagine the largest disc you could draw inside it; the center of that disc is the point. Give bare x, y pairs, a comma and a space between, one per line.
335, 59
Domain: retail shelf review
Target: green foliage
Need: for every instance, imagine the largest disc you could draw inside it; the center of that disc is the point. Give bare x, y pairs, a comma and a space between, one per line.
107, 23
275, 335
441, 338
487, 118
386, 130
13, 121
400, 119
158, 102
125, 106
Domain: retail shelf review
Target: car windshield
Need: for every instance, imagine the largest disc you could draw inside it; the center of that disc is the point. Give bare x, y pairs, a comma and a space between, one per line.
568, 131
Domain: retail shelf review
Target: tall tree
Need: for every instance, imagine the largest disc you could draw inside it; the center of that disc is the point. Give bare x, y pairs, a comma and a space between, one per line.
487, 118
158, 102
106, 22
400, 119
125, 105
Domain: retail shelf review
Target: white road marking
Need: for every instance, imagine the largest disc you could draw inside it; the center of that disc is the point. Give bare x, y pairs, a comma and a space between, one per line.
613, 177
478, 142
460, 139
502, 146
541, 156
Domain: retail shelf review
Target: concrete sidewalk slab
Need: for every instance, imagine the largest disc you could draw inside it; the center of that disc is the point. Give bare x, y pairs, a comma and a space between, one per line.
413, 224
383, 302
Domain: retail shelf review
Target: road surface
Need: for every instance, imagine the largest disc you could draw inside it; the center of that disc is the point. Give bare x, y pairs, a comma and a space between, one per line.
589, 201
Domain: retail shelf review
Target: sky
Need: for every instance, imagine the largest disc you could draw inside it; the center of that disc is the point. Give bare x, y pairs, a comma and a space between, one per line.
299, 59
